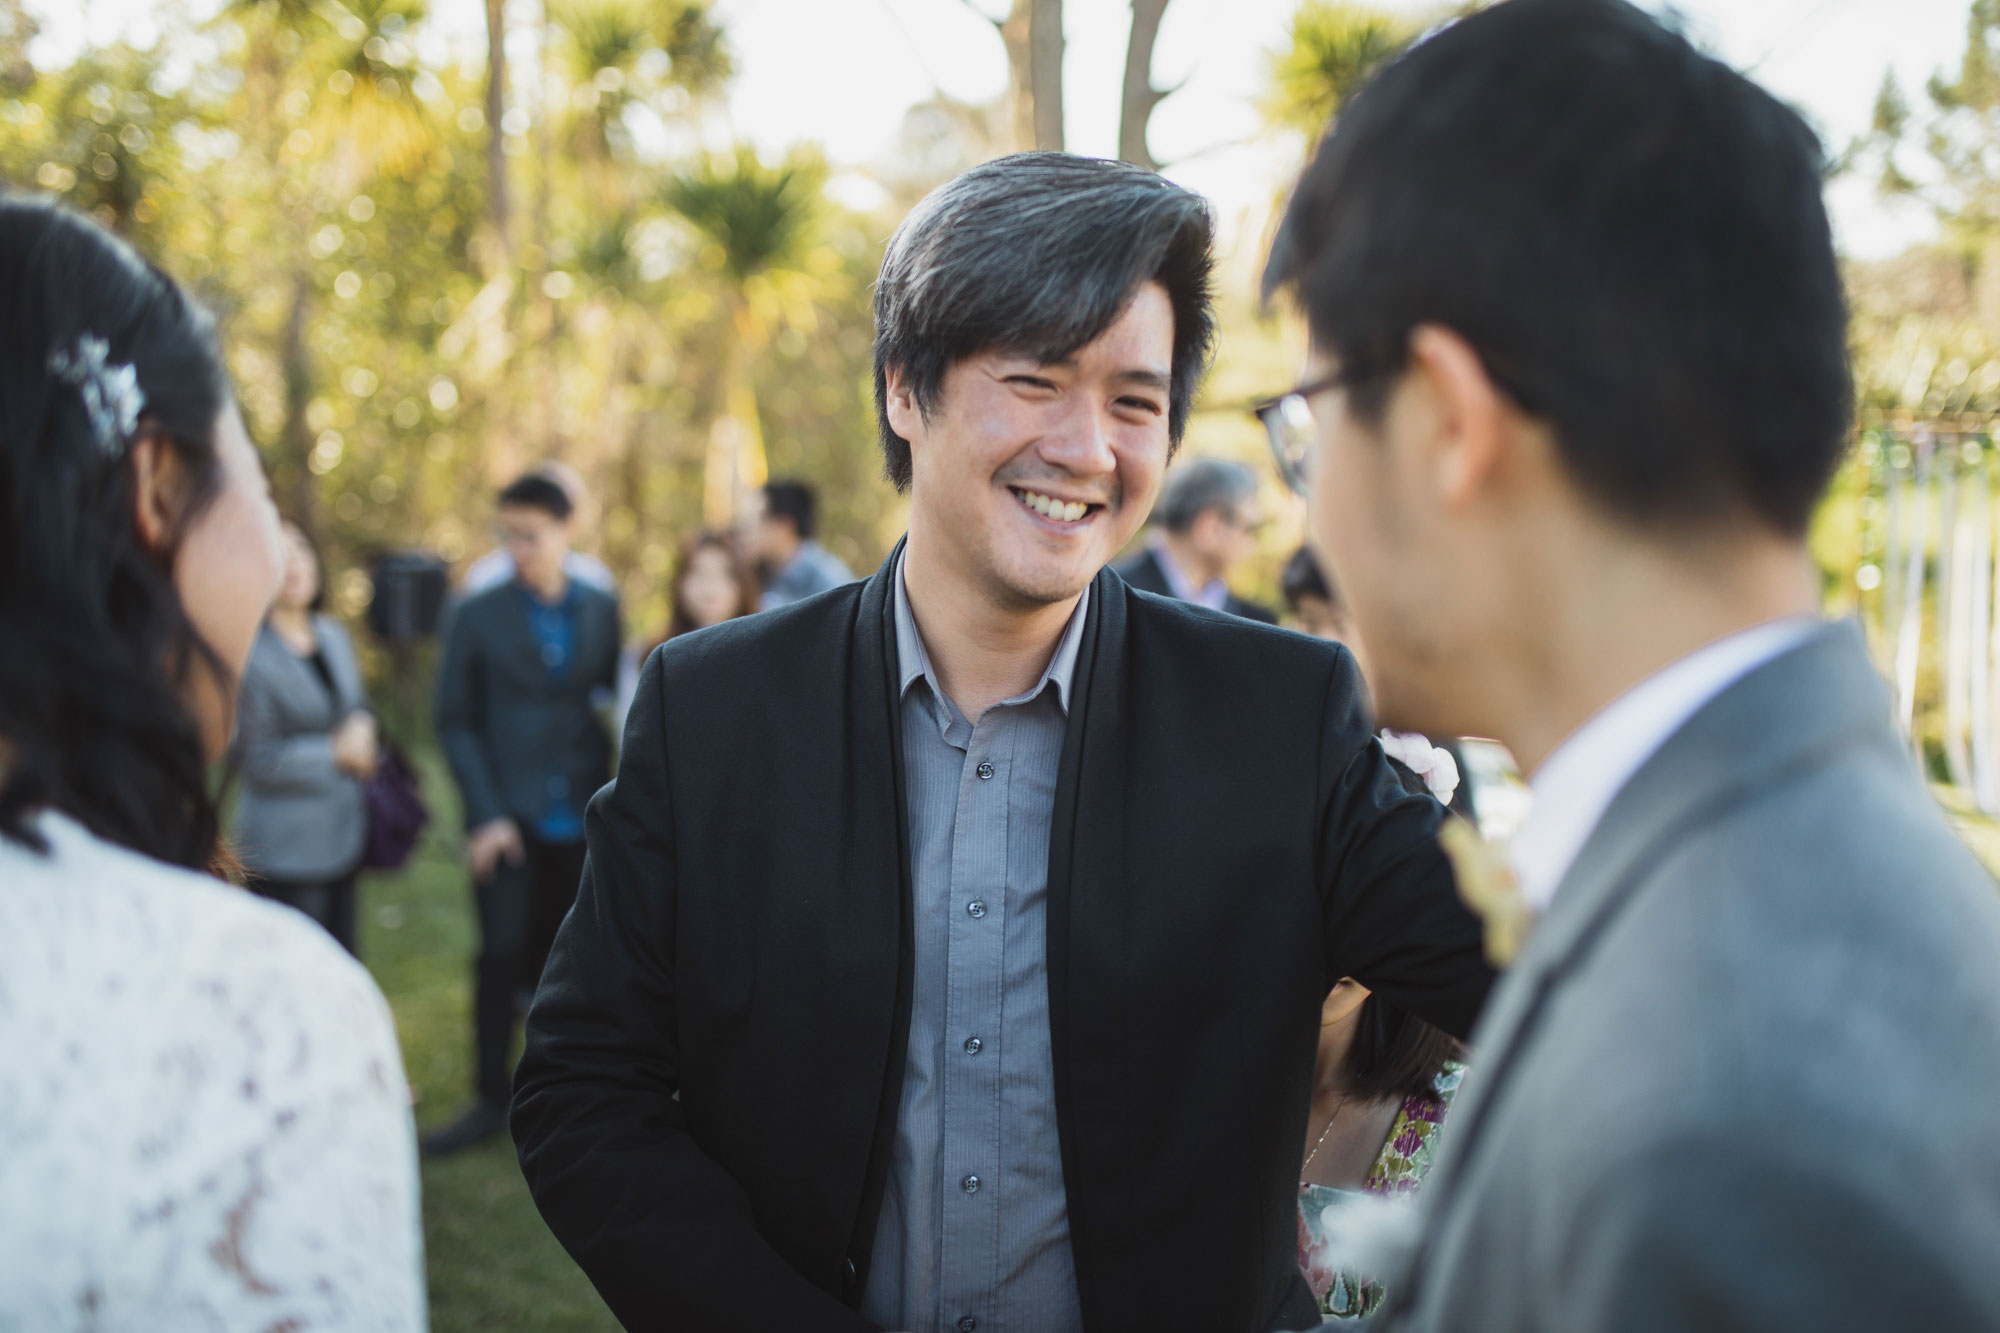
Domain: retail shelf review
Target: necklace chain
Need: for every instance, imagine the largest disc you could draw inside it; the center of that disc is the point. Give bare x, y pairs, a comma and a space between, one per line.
1338, 1107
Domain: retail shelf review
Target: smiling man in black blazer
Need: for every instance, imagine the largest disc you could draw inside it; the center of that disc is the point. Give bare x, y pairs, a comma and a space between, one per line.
935, 965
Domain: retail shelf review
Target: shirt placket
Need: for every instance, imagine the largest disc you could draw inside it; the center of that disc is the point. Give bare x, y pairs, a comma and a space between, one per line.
973, 1197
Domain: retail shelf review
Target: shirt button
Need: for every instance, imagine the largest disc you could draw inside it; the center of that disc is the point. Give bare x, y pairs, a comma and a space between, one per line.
972, 1045
967, 1324
975, 908
970, 1184
985, 772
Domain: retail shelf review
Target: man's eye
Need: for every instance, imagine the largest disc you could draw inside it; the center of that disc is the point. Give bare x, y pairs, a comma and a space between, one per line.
1142, 404
1032, 382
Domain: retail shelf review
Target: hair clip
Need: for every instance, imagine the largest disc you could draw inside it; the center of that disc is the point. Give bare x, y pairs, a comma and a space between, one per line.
111, 394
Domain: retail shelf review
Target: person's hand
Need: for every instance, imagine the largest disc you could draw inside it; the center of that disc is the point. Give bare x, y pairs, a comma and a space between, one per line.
490, 843
356, 749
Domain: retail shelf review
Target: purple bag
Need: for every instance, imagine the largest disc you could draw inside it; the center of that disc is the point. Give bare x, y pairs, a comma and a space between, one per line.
396, 812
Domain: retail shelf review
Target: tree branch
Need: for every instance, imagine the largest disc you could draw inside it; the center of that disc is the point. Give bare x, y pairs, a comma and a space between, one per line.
1140, 96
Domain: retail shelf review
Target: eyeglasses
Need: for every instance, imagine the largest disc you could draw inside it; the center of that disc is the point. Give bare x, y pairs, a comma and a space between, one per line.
1288, 422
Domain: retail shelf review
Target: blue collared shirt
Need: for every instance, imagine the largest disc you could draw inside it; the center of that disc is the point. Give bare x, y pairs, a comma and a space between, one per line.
975, 1221
554, 624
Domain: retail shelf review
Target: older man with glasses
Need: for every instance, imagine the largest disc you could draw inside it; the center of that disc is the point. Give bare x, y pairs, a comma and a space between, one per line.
1205, 525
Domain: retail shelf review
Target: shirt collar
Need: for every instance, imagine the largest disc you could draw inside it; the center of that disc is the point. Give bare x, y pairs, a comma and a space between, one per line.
535, 603
916, 662
1577, 783
1212, 594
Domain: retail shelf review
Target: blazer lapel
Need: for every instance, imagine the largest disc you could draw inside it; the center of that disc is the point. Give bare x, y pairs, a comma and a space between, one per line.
880, 859
1779, 720
340, 665
296, 689
1089, 766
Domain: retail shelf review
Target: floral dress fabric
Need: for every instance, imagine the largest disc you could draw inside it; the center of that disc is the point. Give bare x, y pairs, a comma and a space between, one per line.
1401, 1168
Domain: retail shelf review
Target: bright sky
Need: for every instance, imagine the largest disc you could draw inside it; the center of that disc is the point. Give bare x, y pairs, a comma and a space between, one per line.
842, 72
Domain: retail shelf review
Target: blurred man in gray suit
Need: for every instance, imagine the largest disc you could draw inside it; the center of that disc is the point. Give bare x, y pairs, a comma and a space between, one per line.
1578, 377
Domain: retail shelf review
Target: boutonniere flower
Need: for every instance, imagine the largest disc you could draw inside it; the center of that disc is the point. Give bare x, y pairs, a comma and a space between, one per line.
1487, 885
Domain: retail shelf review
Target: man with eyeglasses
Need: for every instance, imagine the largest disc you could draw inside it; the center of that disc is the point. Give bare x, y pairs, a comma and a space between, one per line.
1578, 379
952, 947
1206, 523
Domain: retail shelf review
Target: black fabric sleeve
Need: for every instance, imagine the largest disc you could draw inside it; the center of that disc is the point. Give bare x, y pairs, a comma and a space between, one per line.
457, 709
1394, 920
662, 1230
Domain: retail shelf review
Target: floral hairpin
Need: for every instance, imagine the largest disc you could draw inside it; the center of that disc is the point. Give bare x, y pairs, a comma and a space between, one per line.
111, 394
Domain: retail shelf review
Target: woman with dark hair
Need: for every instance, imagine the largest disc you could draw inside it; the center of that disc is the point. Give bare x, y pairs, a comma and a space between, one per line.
305, 744
204, 1112
1382, 1087
712, 583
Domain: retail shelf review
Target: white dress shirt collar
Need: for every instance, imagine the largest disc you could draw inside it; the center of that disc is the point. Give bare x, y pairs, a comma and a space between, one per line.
1577, 783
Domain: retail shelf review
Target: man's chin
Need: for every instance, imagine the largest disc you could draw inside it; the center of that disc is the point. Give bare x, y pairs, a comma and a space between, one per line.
1034, 588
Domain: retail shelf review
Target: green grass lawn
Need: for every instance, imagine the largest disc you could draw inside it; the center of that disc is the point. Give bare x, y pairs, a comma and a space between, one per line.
493, 1264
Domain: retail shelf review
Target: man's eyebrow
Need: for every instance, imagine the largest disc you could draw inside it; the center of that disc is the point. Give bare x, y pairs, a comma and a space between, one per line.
1143, 376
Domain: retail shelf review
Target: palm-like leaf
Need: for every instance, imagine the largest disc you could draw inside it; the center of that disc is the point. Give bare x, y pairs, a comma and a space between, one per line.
760, 217
1335, 49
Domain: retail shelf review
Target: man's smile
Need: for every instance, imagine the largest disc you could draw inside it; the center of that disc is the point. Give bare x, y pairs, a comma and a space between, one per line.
1054, 508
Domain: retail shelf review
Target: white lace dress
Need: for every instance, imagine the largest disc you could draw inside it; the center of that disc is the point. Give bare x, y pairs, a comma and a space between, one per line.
203, 1118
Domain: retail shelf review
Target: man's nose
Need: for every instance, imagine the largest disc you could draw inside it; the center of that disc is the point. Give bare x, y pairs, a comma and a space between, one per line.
1080, 443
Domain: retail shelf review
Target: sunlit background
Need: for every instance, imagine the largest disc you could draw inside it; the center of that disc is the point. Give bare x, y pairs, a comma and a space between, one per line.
650, 258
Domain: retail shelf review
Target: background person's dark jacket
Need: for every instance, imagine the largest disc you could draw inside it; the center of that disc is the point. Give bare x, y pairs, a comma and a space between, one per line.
1143, 572
743, 937
504, 724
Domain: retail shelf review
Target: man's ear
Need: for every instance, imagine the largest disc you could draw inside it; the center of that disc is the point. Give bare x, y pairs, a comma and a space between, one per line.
158, 484
1469, 418
905, 417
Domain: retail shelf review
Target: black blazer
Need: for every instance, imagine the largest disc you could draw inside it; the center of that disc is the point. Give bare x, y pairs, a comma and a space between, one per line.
504, 724
1143, 572
707, 1101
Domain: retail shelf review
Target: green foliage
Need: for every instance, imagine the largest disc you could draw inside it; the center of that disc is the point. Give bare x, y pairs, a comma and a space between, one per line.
758, 218
317, 171
1334, 49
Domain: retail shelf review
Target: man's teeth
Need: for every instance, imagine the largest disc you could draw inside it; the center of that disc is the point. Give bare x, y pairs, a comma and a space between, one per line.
1050, 507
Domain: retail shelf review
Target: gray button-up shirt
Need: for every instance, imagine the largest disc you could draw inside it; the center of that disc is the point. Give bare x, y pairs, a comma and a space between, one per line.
974, 1231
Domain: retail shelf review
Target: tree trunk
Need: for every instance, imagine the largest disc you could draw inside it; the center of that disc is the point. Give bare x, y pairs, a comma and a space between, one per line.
297, 436
1045, 61
1020, 76
496, 111
1140, 96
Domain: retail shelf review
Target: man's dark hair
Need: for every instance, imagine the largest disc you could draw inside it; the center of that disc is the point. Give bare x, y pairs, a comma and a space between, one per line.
796, 502
1199, 485
1038, 254
1629, 233
1304, 577
535, 491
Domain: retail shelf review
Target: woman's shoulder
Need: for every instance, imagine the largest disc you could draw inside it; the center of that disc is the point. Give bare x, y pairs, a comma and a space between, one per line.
179, 1048
94, 907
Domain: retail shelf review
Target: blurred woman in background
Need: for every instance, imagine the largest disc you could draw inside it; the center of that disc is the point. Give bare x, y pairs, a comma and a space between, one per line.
1382, 1087
712, 583
203, 1116
305, 744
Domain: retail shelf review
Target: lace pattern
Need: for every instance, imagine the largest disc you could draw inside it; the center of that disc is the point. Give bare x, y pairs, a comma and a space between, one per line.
204, 1122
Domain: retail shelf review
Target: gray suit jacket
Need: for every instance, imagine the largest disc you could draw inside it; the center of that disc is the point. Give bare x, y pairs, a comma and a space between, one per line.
300, 818
504, 725
1746, 1072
